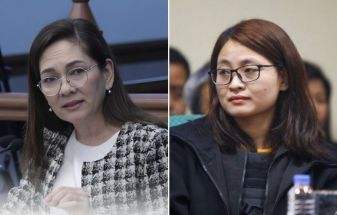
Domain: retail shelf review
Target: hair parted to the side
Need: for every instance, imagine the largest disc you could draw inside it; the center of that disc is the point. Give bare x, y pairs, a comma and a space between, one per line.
117, 105
291, 126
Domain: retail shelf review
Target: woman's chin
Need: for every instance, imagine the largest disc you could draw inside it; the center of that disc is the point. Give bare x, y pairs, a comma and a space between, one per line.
73, 118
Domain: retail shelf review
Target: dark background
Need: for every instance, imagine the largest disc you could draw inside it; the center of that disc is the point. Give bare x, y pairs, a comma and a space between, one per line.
135, 30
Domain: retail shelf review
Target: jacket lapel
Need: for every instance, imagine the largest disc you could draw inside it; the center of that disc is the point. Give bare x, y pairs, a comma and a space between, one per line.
234, 168
211, 157
55, 144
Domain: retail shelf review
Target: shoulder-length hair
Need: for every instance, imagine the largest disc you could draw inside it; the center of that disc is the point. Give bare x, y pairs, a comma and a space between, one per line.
117, 106
294, 123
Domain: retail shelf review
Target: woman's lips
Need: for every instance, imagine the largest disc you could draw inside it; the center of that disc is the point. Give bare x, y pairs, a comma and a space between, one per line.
237, 99
73, 105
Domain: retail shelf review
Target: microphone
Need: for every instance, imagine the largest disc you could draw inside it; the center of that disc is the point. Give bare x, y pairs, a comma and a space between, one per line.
4, 141
14, 145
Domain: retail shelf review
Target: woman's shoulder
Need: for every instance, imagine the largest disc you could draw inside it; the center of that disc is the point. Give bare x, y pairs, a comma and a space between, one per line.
331, 150
145, 133
55, 141
138, 128
196, 134
194, 128
55, 135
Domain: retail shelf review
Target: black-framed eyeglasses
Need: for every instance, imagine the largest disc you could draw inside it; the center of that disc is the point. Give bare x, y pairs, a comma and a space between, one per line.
247, 73
50, 85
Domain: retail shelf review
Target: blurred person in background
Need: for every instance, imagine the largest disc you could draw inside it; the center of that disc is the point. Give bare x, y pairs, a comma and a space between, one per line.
320, 92
197, 91
179, 73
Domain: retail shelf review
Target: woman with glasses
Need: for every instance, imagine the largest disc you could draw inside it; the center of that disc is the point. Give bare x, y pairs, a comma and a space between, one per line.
261, 130
88, 148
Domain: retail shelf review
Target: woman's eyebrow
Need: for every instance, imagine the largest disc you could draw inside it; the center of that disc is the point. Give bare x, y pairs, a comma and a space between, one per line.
224, 62
243, 62
47, 70
74, 62
68, 65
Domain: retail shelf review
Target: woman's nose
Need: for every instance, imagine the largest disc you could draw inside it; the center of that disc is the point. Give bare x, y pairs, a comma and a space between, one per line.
236, 82
65, 87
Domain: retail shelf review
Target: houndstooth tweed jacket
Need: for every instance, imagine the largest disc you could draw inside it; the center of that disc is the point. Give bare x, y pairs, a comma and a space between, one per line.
132, 179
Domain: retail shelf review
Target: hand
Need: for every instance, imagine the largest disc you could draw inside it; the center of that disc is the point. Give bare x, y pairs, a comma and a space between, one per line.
72, 199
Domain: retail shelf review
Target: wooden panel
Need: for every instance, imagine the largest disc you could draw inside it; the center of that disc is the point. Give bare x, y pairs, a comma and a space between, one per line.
13, 106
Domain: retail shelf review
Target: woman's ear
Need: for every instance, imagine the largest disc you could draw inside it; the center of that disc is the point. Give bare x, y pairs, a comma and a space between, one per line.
109, 73
284, 81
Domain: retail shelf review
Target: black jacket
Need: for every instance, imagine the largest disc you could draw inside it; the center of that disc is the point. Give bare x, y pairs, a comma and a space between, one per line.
204, 180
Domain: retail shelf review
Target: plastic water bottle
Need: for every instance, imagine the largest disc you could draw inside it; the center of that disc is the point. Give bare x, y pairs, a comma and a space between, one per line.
301, 200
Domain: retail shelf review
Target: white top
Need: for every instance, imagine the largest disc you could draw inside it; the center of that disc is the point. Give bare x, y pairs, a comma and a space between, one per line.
74, 155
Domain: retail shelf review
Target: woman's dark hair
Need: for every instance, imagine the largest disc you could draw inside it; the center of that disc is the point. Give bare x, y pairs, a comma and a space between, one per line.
117, 106
291, 126
314, 72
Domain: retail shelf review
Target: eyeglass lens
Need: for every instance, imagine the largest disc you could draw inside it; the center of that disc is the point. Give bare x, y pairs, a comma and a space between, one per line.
50, 85
245, 74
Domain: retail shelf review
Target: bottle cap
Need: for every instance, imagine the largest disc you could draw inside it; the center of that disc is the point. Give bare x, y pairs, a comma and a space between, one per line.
301, 179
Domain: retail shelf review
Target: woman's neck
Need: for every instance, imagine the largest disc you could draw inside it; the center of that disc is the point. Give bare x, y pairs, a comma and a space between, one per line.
96, 132
257, 128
